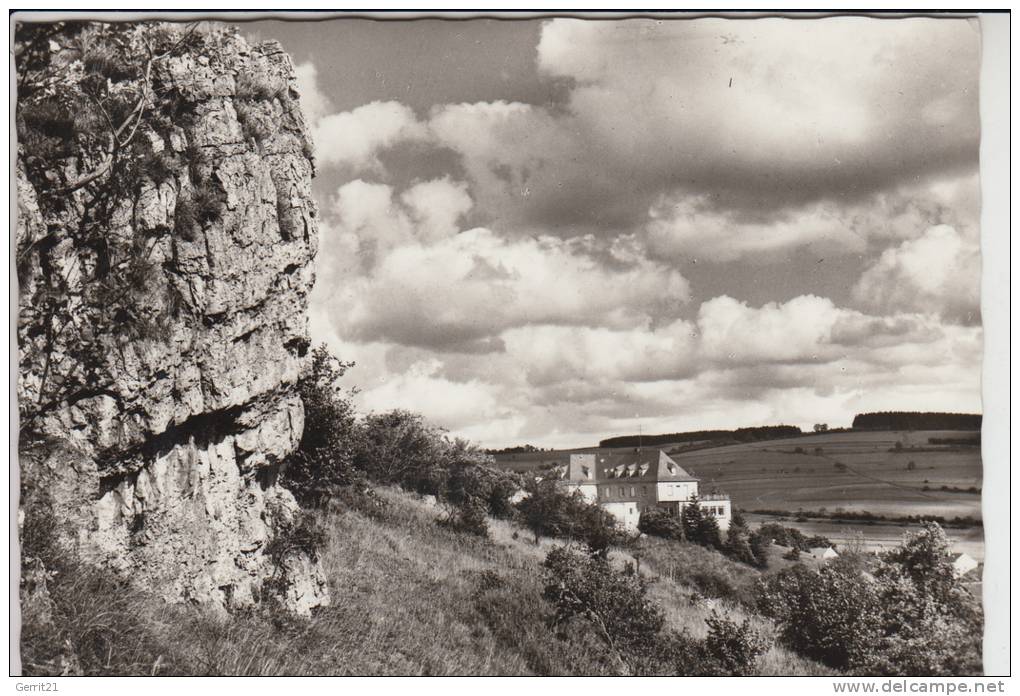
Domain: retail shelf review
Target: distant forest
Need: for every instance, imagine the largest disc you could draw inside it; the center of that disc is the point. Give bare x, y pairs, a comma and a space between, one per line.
765, 432
910, 420
885, 420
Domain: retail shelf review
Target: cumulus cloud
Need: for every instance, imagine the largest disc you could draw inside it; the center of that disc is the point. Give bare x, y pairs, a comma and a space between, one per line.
532, 290
354, 138
314, 102
774, 110
938, 272
760, 117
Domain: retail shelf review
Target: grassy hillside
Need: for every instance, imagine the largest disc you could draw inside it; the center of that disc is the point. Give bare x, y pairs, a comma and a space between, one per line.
409, 597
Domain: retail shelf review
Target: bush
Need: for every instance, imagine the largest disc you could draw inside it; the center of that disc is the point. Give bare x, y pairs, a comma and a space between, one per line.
199, 207
254, 125
586, 586
259, 86
470, 480
106, 62
732, 648
400, 447
828, 615
657, 522
548, 511
303, 535
469, 516
912, 616
323, 464
157, 166
738, 543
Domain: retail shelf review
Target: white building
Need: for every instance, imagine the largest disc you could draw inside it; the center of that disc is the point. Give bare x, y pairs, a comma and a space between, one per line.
963, 563
627, 483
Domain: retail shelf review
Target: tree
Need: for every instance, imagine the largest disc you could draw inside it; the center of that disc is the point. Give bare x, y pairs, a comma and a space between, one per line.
548, 511
692, 518
400, 447
738, 544
324, 459
821, 427
543, 511
759, 544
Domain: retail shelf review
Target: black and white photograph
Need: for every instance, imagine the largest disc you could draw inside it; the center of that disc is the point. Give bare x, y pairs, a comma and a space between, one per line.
536, 344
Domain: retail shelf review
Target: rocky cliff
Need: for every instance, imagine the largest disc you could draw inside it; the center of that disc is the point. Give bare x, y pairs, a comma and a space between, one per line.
165, 239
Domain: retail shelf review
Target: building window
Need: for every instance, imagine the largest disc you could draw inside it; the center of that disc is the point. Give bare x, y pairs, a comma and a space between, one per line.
632, 491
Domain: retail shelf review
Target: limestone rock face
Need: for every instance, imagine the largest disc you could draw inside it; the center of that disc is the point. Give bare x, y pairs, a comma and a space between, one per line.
170, 438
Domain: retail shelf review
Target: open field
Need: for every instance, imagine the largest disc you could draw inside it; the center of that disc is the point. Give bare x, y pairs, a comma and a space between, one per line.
856, 471
859, 471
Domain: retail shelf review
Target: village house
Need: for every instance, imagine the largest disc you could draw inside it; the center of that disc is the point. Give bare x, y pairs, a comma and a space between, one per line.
627, 483
963, 563
823, 553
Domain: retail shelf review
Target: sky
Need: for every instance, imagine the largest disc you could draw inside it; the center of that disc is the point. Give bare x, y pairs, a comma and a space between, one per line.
556, 231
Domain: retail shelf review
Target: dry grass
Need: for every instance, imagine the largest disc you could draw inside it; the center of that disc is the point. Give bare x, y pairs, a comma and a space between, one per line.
410, 597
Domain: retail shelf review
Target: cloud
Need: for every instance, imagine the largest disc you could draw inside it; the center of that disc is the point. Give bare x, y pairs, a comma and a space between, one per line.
774, 110
513, 272
401, 271
354, 138
939, 272
314, 102
770, 126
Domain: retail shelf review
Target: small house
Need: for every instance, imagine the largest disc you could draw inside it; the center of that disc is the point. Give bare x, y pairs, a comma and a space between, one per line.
963, 563
823, 553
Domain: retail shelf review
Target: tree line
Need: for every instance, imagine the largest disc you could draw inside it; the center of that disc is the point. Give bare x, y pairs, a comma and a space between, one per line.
916, 420
765, 432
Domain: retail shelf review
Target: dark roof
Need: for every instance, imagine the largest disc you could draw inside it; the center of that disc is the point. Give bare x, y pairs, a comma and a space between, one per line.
644, 465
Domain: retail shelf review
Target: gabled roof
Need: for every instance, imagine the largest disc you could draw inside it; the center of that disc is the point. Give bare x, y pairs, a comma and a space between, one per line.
641, 465
823, 552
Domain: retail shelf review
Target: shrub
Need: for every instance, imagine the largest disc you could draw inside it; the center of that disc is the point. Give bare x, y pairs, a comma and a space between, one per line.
400, 447
732, 648
253, 125
614, 602
157, 166
829, 615
105, 61
323, 464
469, 516
660, 523
759, 544
548, 511
199, 207
738, 544
792, 555
912, 616
470, 480
261, 86
304, 535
